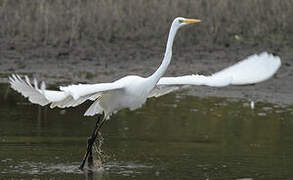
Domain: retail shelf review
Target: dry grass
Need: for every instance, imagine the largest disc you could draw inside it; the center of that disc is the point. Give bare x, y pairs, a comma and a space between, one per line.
88, 22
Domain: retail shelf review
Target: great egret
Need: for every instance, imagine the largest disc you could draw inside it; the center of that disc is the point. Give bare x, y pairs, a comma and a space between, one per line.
132, 91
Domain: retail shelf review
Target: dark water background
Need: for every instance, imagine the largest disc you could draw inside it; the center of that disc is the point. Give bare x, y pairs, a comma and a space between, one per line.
172, 137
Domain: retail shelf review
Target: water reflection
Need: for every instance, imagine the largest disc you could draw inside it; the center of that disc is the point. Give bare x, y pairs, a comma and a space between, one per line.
174, 137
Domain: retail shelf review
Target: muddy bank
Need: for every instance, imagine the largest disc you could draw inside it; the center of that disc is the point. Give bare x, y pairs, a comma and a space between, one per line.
110, 62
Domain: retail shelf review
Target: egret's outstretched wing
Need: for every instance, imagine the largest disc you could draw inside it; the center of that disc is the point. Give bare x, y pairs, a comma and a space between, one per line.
170, 84
254, 69
69, 96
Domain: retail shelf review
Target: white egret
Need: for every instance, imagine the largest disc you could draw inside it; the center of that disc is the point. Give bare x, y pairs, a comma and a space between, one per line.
132, 91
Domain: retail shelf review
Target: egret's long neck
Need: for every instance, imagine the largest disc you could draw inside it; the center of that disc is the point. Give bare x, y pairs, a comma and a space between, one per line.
167, 57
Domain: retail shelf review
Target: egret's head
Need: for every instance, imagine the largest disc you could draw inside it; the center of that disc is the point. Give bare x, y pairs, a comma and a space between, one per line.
180, 21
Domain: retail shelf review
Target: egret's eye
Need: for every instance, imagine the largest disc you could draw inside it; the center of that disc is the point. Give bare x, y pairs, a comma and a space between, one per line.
181, 21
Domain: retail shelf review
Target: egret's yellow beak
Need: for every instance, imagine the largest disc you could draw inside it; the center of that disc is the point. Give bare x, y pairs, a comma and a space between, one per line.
190, 21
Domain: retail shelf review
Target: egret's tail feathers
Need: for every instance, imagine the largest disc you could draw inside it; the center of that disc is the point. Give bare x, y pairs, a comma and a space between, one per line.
94, 109
254, 69
27, 90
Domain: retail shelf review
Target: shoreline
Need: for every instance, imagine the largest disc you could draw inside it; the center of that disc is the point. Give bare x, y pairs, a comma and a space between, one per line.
63, 67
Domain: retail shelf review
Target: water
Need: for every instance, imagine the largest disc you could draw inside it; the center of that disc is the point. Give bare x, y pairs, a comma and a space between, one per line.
172, 137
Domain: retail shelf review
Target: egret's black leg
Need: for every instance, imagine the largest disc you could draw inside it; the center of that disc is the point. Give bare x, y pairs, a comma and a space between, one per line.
90, 160
91, 140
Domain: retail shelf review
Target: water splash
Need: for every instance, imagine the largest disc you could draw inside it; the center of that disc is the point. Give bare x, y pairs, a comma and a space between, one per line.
99, 157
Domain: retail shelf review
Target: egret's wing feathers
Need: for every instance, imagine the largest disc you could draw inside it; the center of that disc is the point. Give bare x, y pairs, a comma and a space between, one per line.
198, 80
70, 102
170, 84
60, 99
254, 69
34, 94
80, 90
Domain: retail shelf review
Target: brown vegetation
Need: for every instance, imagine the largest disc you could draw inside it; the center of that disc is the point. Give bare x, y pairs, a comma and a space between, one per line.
88, 22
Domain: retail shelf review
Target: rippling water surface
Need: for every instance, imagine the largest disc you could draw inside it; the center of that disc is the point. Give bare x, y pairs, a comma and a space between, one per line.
172, 137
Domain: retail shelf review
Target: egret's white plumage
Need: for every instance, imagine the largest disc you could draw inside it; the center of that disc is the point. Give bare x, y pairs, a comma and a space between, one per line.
254, 69
132, 91
34, 94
